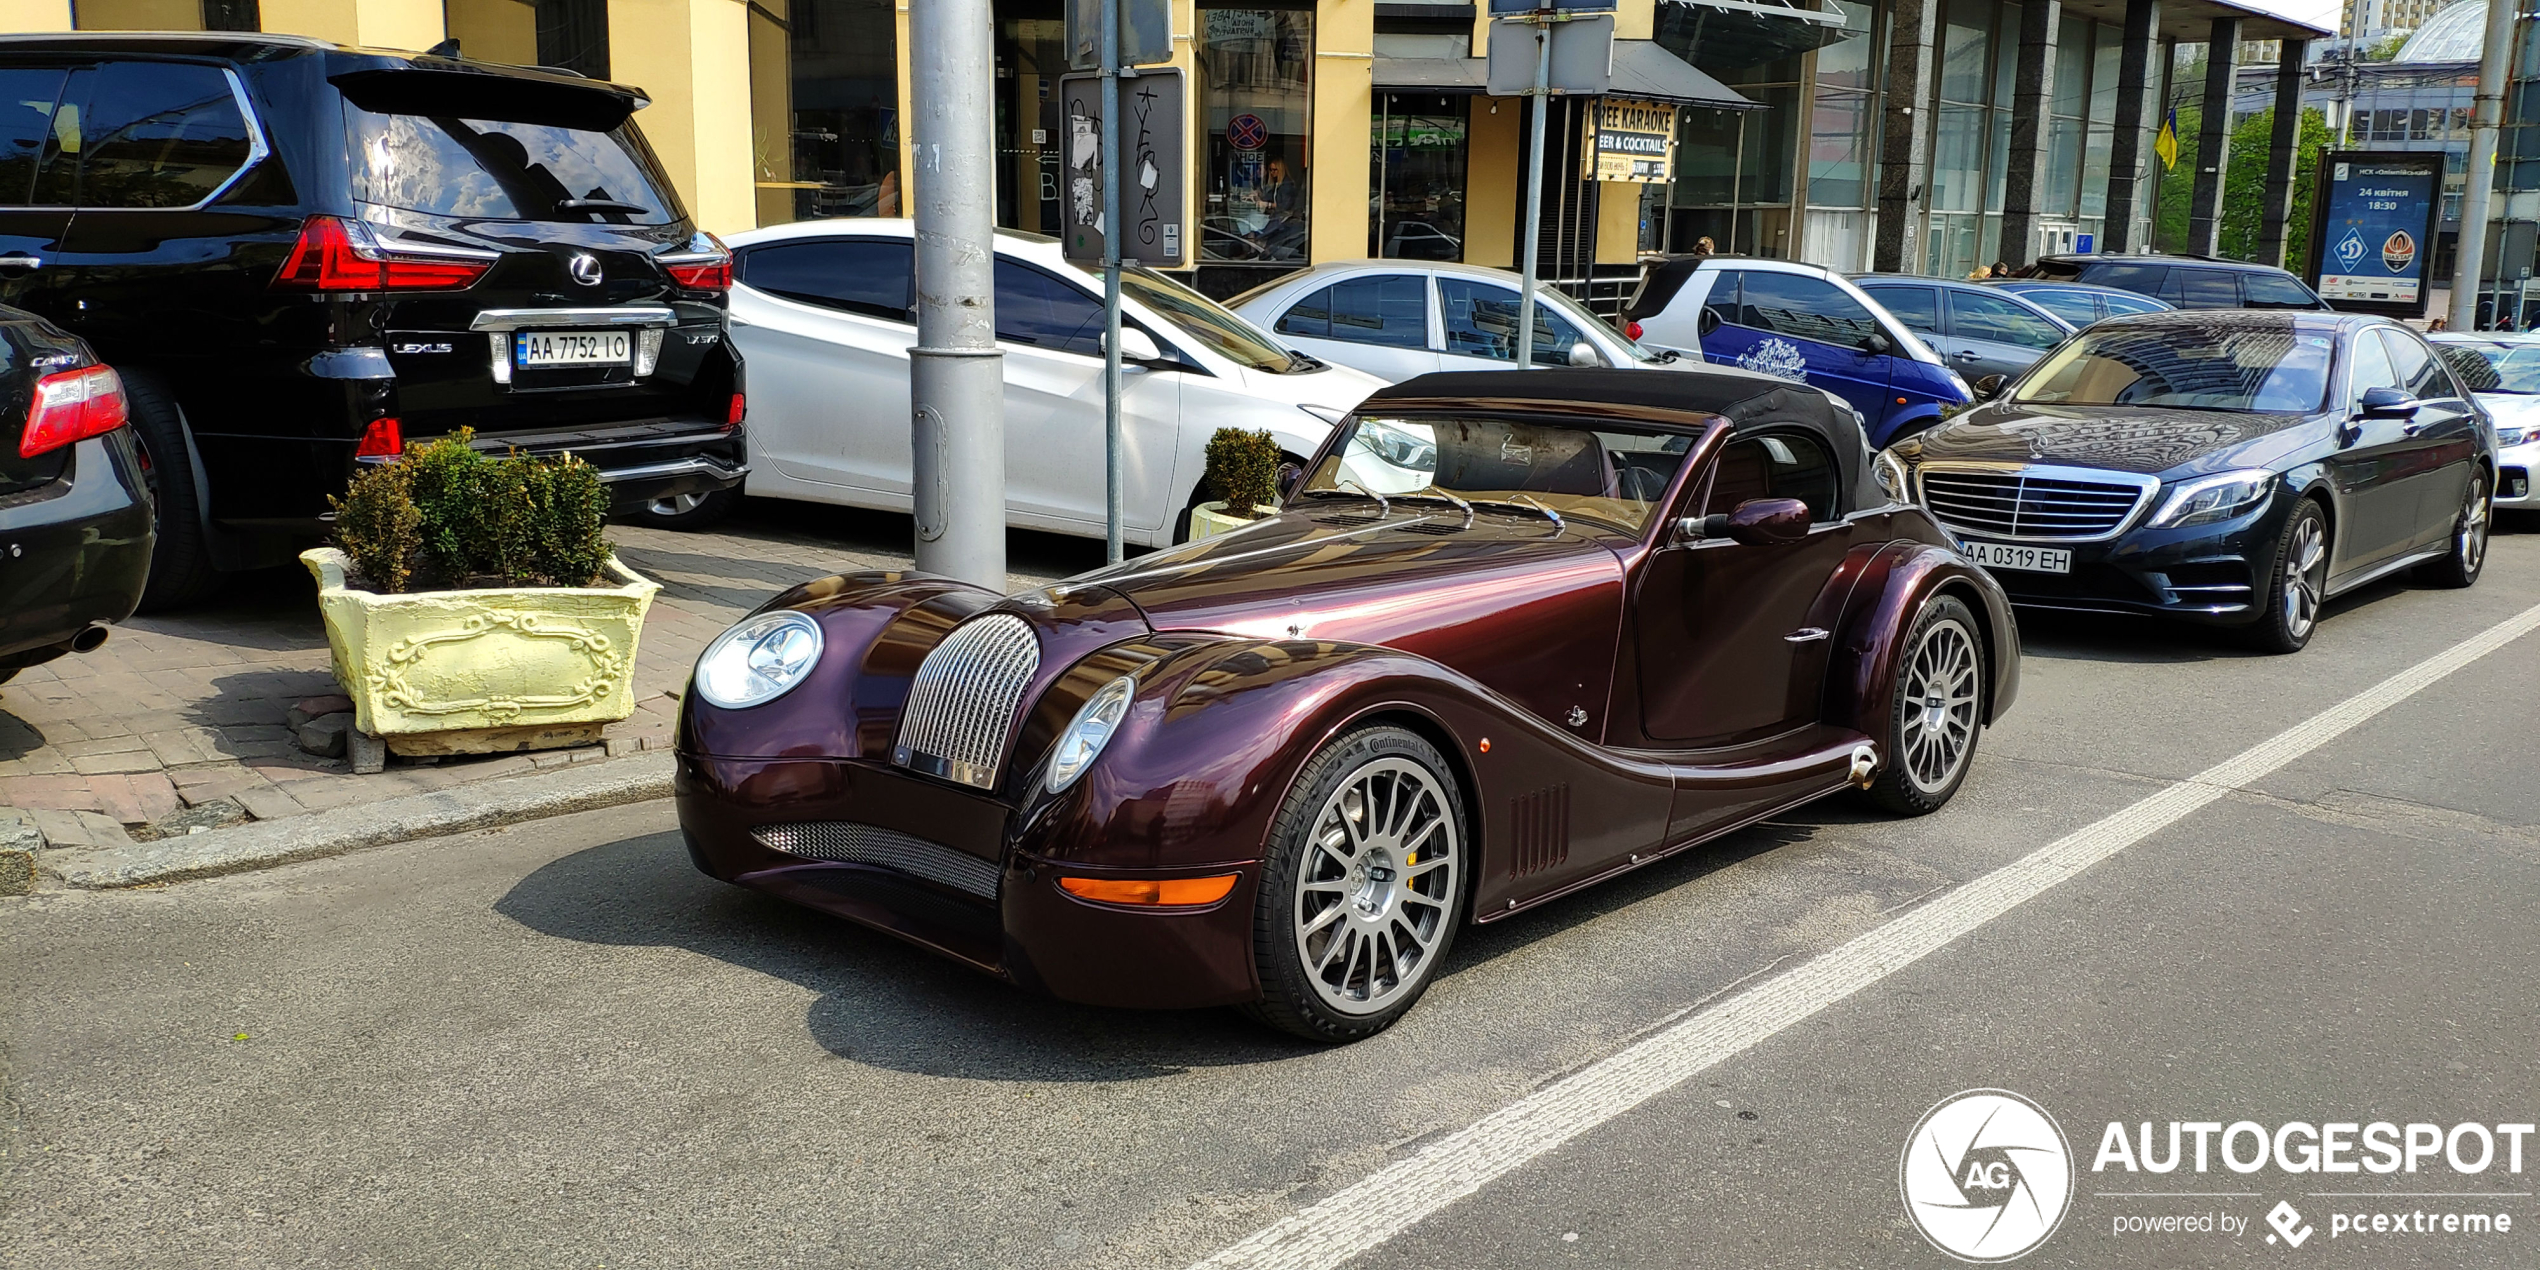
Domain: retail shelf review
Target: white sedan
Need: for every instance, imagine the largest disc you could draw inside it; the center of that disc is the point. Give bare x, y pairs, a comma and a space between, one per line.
1400, 318
822, 314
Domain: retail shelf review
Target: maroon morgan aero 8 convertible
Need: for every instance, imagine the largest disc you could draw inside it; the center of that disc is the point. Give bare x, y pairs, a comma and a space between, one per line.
1513, 634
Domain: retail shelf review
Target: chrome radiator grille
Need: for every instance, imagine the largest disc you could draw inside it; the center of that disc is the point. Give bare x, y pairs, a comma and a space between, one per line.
963, 701
2034, 504
845, 842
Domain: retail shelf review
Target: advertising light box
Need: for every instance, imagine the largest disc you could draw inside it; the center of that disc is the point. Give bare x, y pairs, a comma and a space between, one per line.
2373, 223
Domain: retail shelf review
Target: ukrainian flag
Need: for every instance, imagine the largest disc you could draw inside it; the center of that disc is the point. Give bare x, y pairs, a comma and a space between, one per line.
2166, 144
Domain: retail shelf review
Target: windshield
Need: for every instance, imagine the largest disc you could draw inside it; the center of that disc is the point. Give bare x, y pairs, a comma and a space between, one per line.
1205, 320
2272, 369
2517, 365
1608, 476
495, 169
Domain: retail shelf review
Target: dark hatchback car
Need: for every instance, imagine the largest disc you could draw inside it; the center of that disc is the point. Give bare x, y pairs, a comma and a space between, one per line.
301, 257
2232, 468
2186, 282
74, 520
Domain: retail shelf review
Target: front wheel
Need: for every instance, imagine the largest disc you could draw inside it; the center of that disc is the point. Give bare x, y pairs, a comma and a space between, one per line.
1362, 888
1936, 714
2298, 585
2469, 540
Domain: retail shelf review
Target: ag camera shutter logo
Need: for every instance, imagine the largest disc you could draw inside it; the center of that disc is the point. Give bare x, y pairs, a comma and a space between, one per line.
1986, 1175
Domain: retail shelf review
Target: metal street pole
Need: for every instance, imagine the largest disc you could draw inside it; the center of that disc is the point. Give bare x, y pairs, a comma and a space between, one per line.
956, 378
1112, 230
1534, 197
2479, 185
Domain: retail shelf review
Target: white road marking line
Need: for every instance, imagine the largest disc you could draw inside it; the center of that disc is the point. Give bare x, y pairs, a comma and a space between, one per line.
1402, 1194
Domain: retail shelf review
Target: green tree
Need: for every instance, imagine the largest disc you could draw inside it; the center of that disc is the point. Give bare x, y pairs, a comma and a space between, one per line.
2244, 185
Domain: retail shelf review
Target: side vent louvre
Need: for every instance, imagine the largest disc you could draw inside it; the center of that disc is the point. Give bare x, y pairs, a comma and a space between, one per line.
1539, 829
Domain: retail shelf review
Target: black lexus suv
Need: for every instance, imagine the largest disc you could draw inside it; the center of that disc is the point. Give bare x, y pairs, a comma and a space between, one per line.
302, 257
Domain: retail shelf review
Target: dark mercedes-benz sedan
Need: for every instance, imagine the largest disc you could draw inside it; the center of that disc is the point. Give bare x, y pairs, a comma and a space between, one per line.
2233, 468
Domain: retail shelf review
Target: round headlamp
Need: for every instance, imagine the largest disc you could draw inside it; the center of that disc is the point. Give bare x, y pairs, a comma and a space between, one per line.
759, 660
1089, 731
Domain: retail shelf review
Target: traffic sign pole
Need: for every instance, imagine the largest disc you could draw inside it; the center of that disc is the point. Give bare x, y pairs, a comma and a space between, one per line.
1534, 198
1112, 231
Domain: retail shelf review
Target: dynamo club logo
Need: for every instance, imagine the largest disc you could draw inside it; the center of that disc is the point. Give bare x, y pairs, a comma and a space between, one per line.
1987, 1175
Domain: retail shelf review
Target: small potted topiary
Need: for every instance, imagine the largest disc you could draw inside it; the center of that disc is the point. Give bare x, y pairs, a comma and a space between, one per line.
1243, 472
473, 605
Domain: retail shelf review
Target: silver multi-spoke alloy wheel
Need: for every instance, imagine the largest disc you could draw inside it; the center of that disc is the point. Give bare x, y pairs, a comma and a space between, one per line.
1942, 684
2471, 540
2305, 576
675, 504
1378, 886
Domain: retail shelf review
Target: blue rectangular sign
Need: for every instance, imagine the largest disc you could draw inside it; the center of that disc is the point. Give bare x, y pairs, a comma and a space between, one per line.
2372, 235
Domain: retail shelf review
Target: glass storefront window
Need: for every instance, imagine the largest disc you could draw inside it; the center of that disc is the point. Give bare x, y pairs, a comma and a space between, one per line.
2095, 152
1416, 174
1839, 150
1256, 110
824, 105
2105, 52
1966, 50
2063, 166
1031, 52
2072, 68
1846, 62
1765, 154
1706, 157
1957, 159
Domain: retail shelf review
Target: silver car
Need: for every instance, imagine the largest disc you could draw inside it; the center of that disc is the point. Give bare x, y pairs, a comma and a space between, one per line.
2512, 398
1398, 318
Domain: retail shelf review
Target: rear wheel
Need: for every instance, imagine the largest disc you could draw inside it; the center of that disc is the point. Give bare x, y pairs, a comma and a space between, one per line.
1936, 714
689, 511
2297, 586
2469, 539
181, 569
1362, 889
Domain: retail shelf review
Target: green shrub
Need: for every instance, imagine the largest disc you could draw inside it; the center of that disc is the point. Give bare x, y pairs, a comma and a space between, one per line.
447, 516
1243, 470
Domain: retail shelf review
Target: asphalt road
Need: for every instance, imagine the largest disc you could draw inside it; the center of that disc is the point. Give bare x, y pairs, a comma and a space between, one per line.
559, 1046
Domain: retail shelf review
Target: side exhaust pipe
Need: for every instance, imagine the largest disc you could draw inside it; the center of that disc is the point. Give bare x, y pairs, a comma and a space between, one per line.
1865, 764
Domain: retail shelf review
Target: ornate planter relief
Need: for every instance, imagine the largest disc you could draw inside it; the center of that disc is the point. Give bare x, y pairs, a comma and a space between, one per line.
1210, 519
440, 672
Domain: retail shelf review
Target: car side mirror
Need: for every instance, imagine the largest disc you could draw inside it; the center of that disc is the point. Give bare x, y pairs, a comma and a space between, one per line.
1708, 322
1988, 387
1757, 522
2388, 403
1877, 345
1291, 475
1138, 346
1584, 354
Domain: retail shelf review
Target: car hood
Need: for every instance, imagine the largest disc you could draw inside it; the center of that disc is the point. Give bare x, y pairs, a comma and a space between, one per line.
2116, 438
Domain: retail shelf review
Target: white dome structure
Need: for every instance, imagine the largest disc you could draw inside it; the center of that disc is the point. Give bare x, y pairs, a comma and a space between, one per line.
2454, 34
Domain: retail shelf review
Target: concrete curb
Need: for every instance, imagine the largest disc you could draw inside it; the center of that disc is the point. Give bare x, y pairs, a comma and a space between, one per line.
581, 787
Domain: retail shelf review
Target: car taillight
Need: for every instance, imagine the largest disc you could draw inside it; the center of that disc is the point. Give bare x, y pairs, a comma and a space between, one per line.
383, 439
704, 266
738, 411
334, 254
1631, 330
71, 405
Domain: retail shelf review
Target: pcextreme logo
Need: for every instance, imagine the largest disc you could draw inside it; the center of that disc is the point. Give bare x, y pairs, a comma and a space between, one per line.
1986, 1175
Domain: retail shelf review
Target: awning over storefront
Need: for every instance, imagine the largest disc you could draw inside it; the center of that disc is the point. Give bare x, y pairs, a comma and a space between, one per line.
1728, 35
1641, 70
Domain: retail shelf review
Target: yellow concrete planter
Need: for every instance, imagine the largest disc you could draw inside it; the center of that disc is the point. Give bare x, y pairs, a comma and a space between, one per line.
519, 663
1210, 519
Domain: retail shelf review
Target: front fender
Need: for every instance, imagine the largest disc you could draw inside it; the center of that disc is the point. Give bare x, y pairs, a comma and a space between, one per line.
875, 626
1900, 579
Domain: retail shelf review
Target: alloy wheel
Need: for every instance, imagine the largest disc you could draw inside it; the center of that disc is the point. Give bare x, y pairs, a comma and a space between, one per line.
2305, 576
1375, 893
1941, 683
675, 504
2471, 539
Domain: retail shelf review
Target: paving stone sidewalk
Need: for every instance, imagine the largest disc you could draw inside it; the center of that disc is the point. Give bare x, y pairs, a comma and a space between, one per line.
181, 719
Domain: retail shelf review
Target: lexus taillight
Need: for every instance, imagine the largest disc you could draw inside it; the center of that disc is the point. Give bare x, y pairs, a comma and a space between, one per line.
71, 405
383, 439
340, 255
739, 410
704, 266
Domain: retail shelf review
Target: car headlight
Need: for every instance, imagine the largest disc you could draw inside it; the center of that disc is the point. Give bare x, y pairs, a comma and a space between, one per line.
759, 660
1089, 731
1892, 476
2209, 499
2515, 436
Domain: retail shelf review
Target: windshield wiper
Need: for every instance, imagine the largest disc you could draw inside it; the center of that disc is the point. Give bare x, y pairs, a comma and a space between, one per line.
1528, 500
1384, 505
599, 205
1435, 492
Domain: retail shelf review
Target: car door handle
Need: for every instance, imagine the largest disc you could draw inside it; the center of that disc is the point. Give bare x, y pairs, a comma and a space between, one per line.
21, 262
1968, 355
1806, 635
2414, 428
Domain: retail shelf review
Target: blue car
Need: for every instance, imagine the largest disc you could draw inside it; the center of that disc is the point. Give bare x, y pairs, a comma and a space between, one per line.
1799, 322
